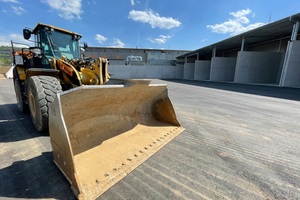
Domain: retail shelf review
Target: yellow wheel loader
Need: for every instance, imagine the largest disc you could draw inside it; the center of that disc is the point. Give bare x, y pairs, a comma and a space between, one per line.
100, 128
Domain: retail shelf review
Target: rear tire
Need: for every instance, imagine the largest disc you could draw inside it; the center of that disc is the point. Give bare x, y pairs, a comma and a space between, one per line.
41, 91
22, 106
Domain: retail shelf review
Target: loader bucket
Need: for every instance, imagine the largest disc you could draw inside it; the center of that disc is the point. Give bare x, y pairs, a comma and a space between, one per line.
99, 134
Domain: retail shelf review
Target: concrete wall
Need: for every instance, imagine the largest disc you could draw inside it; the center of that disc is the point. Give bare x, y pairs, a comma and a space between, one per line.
202, 69
222, 69
122, 53
258, 67
188, 70
291, 69
144, 71
274, 46
169, 71
180, 69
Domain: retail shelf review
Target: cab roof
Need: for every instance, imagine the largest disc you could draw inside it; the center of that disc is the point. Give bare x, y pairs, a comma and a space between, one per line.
41, 25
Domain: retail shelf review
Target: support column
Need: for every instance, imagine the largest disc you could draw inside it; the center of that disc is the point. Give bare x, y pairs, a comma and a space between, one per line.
214, 51
289, 66
295, 31
280, 44
243, 44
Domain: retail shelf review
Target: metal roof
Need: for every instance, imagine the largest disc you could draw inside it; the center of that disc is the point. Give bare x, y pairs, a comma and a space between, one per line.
272, 31
41, 25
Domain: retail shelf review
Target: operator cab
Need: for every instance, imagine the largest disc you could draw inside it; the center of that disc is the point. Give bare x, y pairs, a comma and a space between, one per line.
55, 42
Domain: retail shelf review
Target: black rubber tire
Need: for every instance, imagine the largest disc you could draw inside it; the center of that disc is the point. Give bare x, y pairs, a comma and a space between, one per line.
22, 106
41, 91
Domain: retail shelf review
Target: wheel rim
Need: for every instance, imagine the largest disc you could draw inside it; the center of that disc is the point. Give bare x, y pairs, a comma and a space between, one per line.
32, 105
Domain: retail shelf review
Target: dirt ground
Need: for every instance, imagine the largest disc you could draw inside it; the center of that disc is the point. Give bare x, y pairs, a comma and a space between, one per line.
240, 142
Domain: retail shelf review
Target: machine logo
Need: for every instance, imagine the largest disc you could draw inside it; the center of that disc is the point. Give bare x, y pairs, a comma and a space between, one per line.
67, 69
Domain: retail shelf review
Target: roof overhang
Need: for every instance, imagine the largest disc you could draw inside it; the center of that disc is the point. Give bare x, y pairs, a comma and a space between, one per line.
42, 26
271, 31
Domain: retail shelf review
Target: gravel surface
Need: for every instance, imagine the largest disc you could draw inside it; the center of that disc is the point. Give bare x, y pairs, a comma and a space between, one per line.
240, 142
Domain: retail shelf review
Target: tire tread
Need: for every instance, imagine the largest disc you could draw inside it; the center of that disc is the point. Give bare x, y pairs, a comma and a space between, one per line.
46, 87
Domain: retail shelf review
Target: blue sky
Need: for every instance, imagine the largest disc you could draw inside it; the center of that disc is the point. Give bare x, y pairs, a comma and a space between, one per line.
157, 24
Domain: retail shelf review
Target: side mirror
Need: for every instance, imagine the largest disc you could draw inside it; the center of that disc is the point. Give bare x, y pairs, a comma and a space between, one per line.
26, 33
85, 45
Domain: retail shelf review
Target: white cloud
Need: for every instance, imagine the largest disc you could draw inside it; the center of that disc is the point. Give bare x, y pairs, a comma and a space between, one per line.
6, 40
100, 38
118, 43
94, 2
241, 13
10, 1
66, 9
4, 43
161, 39
154, 19
134, 2
236, 25
18, 37
18, 10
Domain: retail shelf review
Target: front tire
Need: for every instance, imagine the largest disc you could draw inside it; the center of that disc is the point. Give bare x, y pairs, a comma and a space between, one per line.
41, 91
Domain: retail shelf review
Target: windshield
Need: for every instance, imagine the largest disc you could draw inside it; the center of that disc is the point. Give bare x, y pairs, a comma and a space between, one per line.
57, 44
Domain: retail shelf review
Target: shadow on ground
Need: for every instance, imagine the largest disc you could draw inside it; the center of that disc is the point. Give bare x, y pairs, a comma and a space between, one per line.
16, 126
34, 178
